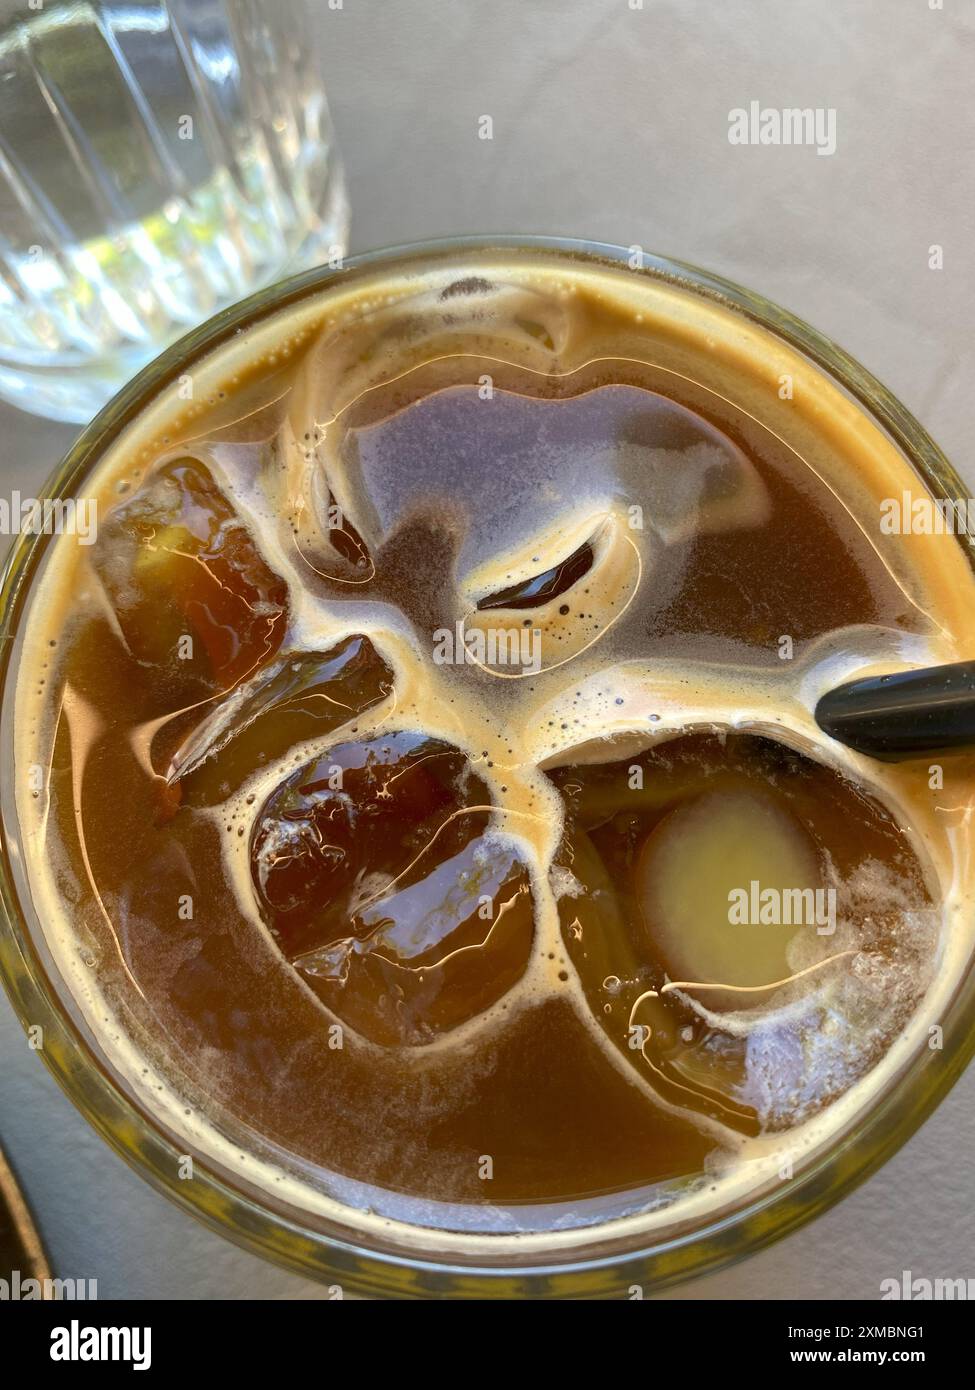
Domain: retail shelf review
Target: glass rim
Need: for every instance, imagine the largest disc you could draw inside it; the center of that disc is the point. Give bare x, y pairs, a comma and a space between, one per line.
877, 1132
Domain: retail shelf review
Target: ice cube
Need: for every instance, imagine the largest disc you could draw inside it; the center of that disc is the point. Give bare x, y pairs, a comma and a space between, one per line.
380, 876
193, 596
299, 696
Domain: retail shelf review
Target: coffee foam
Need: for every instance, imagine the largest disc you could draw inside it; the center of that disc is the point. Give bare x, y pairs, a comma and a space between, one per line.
301, 380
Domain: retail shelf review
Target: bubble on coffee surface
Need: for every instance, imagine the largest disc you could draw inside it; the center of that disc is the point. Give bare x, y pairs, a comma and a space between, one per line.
400, 489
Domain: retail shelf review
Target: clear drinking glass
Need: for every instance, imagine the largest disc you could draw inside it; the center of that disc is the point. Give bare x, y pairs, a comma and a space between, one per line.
399, 1260
159, 159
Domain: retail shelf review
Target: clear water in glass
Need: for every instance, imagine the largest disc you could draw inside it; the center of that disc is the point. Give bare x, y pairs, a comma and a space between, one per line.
159, 159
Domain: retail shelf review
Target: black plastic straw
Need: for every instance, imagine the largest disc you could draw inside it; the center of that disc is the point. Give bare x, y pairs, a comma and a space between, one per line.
903, 715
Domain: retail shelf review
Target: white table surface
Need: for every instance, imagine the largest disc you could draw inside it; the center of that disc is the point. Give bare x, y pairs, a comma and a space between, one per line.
611, 122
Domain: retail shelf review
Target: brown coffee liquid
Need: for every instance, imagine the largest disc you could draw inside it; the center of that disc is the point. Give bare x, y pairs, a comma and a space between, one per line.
433, 787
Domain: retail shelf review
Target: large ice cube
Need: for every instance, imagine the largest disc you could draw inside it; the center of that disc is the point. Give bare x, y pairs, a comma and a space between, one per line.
378, 871
193, 596
694, 885
296, 697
